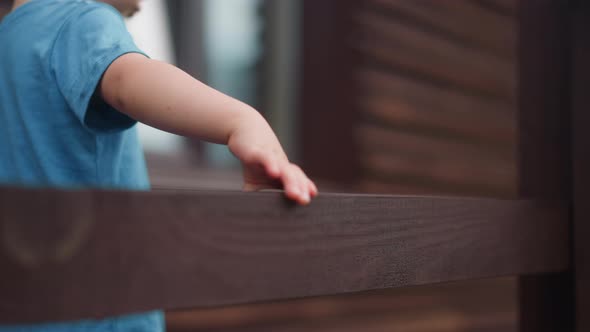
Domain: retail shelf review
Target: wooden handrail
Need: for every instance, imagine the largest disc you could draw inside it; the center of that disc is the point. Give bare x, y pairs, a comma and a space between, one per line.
81, 254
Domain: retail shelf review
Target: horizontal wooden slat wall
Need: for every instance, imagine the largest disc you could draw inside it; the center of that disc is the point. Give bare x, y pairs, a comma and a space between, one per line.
437, 95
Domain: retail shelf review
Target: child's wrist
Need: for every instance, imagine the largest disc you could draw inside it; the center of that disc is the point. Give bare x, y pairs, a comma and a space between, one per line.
252, 129
248, 119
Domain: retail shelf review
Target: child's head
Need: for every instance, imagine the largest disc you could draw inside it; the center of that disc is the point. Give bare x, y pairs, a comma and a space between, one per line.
126, 7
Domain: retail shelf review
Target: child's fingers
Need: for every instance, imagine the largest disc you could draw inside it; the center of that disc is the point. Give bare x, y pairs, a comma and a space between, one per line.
303, 183
294, 185
312, 188
250, 187
290, 183
308, 185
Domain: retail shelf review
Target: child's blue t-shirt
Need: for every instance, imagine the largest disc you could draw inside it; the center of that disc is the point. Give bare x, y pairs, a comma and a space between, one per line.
54, 131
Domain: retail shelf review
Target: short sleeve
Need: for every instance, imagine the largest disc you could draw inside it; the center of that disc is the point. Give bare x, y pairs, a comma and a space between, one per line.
85, 47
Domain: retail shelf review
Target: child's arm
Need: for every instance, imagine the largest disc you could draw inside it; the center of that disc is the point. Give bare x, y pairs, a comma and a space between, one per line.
167, 98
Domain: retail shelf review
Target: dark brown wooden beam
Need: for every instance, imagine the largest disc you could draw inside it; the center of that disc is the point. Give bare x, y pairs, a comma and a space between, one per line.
68, 255
328, 148
544, 158
581, 160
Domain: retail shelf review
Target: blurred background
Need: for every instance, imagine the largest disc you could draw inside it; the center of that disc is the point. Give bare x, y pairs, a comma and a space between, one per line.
374, 96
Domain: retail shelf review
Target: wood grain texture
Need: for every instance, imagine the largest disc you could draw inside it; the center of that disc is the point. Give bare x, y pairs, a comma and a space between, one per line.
68, 255
431, 74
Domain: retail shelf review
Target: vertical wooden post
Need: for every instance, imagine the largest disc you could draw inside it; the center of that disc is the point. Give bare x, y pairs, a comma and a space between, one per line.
546, 301
328, 112
581, 159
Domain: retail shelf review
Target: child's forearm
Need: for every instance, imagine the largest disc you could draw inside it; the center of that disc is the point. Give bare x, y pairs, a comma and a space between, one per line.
167, 98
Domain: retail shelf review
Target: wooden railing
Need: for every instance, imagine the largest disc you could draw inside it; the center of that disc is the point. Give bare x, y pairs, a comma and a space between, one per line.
130, 252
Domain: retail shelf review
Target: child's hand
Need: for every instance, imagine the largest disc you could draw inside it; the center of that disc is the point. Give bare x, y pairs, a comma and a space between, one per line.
265, 165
